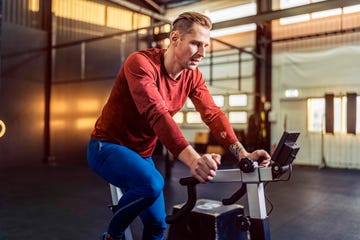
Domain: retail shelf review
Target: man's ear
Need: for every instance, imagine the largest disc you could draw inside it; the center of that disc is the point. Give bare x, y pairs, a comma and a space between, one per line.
174, 37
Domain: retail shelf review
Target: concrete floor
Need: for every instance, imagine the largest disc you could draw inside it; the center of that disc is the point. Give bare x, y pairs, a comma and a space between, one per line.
70, 202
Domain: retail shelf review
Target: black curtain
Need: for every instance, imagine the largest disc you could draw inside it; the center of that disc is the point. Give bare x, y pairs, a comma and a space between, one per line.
351, 113
329, 113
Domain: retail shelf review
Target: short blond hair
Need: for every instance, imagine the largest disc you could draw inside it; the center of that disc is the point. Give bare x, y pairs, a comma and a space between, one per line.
185, 21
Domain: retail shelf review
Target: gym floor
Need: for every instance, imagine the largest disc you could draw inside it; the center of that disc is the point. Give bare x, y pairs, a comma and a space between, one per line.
63, 203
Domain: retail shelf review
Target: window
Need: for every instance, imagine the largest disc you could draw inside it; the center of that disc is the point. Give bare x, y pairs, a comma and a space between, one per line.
306, 17
193, 117
292, 3
119, 18
295, 19
339, 125
219, 100
96, 13
351, 9
233, 30
33, 5
189, 103
238, 117
85, 123
326, 13
89, 12
179, 117
316, 114
239, 100
230, 13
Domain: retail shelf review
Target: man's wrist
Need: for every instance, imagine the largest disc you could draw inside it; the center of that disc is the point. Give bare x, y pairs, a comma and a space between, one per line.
188, 156
238, 150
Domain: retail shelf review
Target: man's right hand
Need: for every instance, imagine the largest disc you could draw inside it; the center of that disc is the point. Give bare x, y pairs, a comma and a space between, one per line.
204, 168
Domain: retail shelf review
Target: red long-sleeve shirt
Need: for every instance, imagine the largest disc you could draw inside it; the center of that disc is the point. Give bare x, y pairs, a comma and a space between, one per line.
143, 100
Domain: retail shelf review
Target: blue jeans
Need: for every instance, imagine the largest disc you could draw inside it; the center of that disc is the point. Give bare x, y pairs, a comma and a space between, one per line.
141, 183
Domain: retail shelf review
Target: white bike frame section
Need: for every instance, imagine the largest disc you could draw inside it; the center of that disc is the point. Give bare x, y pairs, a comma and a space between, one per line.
115, 196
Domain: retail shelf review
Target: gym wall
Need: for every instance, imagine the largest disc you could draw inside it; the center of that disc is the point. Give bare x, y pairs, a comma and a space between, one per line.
22, 96
315, 72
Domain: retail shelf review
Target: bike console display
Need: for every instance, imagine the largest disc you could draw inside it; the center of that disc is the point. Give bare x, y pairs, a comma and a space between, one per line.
285, 153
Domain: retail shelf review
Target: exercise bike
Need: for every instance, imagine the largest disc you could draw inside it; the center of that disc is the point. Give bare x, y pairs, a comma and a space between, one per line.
252, 176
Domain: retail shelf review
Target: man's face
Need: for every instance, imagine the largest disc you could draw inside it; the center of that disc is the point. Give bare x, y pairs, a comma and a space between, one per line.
191, 47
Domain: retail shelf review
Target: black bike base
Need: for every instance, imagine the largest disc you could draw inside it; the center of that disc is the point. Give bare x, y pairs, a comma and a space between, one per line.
209, 220
260, 229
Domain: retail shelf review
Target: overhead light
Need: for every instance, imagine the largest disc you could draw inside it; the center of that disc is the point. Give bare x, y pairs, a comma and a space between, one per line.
233, 30
230, 13
351, 9
295, 19
326, 13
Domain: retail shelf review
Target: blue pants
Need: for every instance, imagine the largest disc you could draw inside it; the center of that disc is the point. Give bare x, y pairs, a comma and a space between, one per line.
141, 184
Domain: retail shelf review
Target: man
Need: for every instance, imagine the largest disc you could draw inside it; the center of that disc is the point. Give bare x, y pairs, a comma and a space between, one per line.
150, 88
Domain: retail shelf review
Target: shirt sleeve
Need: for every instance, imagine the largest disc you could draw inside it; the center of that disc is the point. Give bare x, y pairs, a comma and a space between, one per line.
141, 76
212, 115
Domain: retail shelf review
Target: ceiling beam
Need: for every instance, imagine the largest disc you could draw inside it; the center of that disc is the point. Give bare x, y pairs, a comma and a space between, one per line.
139, 9
156, 6
272, 15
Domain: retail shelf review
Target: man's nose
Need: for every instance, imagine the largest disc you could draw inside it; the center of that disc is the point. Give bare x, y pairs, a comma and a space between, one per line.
201, 51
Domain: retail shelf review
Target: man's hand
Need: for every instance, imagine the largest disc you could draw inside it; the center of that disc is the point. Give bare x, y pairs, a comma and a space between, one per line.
261, 155
204, 168
258, 155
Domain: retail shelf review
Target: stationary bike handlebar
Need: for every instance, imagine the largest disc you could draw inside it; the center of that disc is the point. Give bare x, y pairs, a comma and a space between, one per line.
191, 183
245, 165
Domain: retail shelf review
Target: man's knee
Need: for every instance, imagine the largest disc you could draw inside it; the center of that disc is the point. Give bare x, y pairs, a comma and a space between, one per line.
154, 186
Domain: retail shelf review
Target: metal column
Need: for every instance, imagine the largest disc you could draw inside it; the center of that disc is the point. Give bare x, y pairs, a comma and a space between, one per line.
263, 73
45, 9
